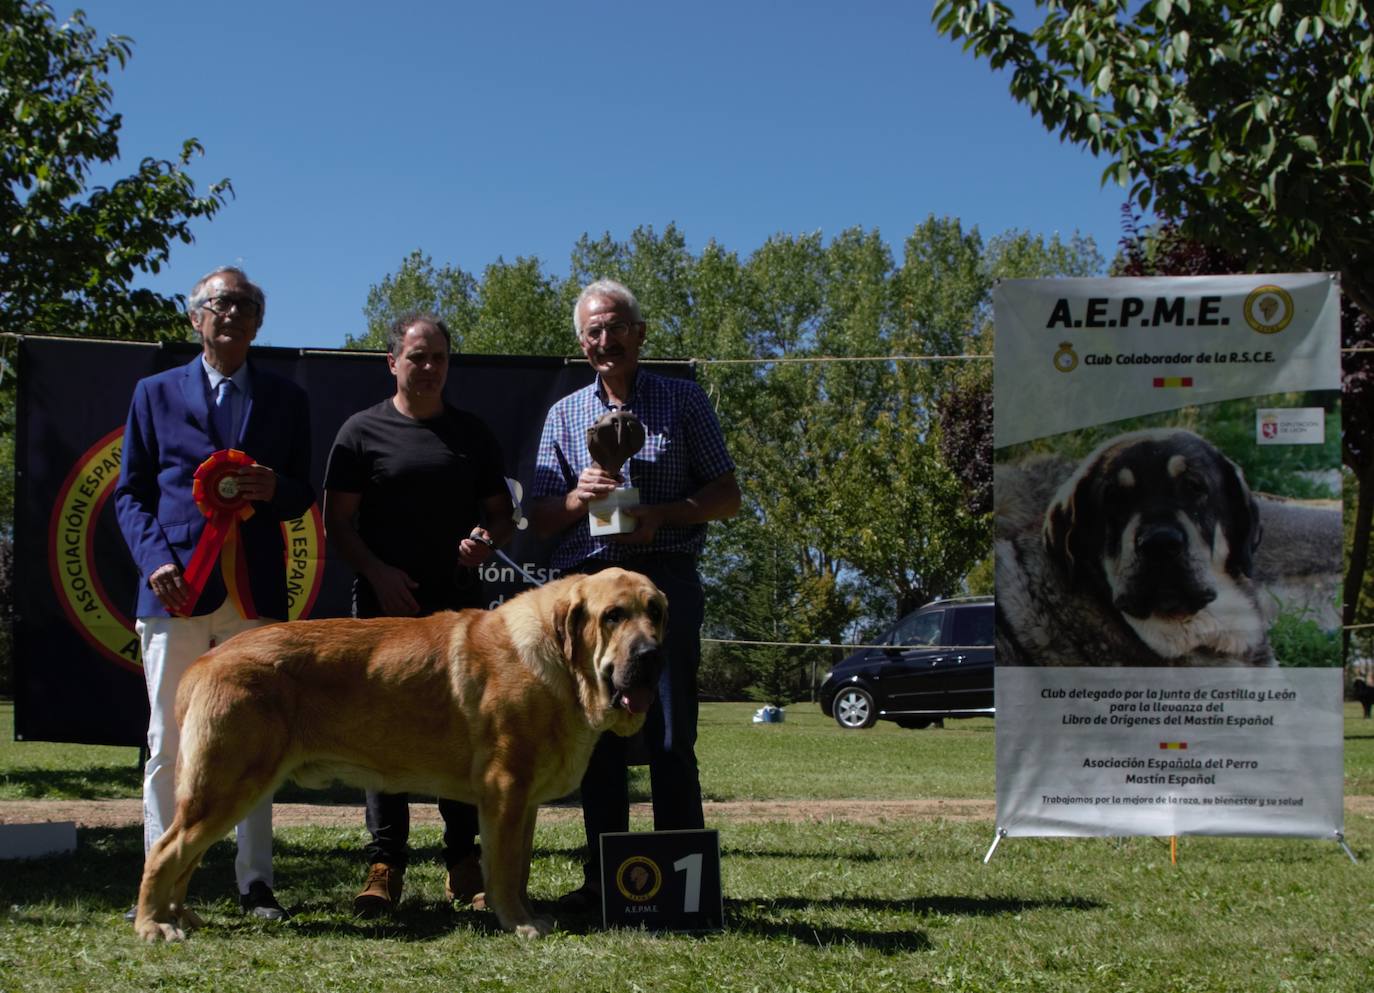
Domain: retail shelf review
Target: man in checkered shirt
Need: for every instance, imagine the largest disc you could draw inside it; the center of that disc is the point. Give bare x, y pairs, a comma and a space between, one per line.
685, 478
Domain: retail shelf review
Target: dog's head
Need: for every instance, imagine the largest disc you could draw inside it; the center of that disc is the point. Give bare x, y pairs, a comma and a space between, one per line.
1163, 527
610, 626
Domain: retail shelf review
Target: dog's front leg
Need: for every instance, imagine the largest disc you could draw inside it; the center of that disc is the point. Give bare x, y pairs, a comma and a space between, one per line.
506, 819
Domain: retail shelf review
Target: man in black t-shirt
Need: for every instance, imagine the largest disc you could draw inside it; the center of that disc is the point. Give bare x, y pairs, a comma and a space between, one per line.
409, 483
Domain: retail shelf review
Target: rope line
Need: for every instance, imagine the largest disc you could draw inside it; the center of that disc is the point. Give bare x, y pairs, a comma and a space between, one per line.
850, 647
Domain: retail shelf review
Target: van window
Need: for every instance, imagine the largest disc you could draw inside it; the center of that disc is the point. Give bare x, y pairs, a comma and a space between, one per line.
973, 625
919, 628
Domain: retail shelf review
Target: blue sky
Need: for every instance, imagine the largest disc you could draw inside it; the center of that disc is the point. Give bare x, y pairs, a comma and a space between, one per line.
356, 132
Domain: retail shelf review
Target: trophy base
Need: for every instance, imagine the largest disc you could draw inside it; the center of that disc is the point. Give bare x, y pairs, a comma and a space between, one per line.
613, 514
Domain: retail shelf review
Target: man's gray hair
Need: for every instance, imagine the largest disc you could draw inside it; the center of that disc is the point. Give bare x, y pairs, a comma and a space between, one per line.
606, 288
199, 293
396, 334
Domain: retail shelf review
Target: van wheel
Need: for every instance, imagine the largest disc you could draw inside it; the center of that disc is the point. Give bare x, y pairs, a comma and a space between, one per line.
854, 708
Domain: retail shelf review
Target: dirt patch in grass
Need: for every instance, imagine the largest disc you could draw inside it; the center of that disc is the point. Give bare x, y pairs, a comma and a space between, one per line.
123, 813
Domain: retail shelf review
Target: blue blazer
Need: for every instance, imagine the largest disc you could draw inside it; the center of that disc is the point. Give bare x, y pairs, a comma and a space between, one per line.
168, 435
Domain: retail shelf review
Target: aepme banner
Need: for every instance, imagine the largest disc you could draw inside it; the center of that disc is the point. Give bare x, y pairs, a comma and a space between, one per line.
1168, 556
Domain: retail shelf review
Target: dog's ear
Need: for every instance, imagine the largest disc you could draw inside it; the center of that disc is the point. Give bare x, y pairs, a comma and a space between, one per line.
1068, 529
568, 616
1243, 530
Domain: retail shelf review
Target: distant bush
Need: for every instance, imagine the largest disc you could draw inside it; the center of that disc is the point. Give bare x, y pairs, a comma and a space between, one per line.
722, 675
1300, 641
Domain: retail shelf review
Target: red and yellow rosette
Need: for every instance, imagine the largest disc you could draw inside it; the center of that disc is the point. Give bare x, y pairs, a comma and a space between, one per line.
215, 488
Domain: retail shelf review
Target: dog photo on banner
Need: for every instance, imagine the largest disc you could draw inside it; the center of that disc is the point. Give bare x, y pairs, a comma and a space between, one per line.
1168, 556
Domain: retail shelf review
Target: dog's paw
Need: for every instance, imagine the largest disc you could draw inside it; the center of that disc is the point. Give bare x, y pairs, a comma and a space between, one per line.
536, 928
154, 931
189, 919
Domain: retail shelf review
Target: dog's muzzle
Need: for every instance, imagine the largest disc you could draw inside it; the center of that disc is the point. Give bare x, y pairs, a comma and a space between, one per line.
1164, 580
634, 684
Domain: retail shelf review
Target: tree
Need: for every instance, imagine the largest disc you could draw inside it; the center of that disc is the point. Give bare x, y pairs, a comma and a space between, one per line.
69, 253
1249, 127
447, 292
522, 311
1249, 123
965, 399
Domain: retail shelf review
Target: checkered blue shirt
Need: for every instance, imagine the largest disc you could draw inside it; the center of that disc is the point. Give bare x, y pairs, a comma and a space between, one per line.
683, 450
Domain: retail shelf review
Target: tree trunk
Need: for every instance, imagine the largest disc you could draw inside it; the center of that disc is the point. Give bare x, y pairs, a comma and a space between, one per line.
1359, 551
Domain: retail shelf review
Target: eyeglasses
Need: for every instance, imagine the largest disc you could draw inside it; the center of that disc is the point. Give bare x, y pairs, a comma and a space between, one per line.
226, 302
617, 330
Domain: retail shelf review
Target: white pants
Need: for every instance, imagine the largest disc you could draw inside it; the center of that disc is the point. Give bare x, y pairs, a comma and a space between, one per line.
170, 645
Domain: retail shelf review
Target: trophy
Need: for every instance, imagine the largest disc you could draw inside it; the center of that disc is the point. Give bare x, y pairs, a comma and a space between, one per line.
611, 442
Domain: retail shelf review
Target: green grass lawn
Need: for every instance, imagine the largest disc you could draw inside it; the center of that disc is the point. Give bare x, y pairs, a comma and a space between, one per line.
816, 904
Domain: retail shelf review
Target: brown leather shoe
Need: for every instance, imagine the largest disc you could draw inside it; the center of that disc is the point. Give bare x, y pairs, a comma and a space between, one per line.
381, 892
464, 883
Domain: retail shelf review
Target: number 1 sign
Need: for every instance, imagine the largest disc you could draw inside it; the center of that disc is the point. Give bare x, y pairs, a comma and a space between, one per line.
662, 880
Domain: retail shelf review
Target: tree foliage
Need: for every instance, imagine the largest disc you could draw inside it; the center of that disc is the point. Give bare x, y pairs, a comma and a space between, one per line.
69, 251
515, 308
856, 507
1251, 123
417, 285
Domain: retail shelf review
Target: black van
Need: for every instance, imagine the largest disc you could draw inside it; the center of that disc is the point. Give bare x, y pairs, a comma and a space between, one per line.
936, 662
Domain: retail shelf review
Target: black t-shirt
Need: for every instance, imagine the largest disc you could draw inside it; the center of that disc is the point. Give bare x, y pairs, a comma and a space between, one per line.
422, 485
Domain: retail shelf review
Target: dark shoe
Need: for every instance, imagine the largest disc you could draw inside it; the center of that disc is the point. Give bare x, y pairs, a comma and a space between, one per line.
259, 902
131, 914
464, 881
381, 892
586, 899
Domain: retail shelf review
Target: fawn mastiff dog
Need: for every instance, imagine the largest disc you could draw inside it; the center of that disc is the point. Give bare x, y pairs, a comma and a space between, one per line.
497, 708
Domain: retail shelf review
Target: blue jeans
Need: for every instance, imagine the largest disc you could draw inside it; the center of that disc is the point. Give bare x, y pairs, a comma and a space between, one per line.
670, 729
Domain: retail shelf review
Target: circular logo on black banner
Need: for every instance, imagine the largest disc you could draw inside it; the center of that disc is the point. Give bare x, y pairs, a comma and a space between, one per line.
638, 878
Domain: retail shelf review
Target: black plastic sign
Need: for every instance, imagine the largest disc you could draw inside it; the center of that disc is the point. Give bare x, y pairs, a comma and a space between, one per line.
662, 880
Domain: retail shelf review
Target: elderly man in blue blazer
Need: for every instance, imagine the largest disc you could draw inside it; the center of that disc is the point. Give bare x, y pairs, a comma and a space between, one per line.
178, 418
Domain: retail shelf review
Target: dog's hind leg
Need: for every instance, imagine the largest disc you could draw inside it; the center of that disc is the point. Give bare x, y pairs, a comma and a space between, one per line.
218, 782
185, 916
203, 817
170, 862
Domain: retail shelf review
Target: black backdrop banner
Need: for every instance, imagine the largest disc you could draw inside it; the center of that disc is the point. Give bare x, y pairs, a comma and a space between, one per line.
77, 672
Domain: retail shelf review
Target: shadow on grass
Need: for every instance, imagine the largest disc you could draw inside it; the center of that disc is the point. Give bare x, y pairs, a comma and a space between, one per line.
317, 883
734, 851
103, 871
102, 876
759, 918
413, 921
101, 782
953, 906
